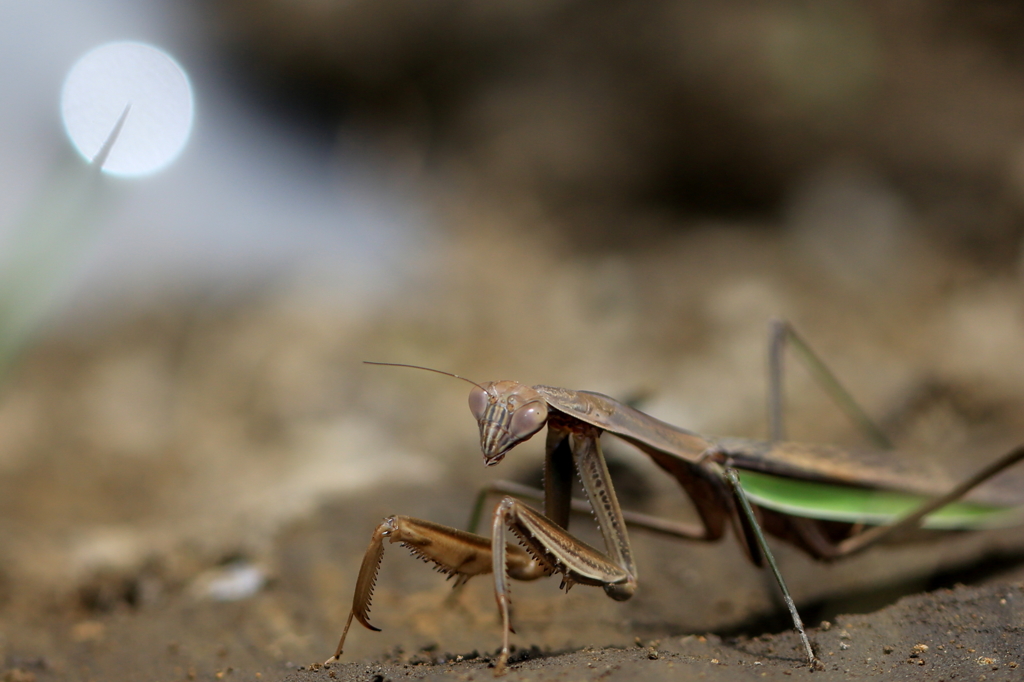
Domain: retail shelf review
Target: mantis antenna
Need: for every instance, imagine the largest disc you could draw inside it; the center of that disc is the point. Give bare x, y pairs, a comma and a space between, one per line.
427, 369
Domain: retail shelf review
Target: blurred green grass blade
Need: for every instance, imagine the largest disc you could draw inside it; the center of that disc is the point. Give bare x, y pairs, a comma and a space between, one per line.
45, 244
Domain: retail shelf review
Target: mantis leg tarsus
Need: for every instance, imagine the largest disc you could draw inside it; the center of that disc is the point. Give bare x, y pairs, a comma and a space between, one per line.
341, 642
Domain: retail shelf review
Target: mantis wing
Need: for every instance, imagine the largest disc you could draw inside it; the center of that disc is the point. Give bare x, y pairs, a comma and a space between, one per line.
809, 480
832, 502
632, 425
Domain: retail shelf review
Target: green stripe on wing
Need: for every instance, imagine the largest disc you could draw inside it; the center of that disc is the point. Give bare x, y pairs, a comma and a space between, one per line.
835, 502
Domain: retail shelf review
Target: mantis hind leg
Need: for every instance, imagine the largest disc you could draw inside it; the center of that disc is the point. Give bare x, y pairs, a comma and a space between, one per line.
781, 334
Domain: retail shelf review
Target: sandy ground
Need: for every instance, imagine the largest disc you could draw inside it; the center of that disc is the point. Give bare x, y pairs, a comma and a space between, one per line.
281, 632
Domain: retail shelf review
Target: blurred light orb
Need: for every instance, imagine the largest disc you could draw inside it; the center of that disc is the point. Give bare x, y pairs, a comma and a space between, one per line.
106, 79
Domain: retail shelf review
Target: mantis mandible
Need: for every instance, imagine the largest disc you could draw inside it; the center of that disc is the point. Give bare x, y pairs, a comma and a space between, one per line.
828, 501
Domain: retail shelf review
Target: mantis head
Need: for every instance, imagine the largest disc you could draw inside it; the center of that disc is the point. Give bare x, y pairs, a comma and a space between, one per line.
508, 413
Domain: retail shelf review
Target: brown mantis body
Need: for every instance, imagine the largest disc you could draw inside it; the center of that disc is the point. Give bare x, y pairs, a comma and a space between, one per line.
708, 469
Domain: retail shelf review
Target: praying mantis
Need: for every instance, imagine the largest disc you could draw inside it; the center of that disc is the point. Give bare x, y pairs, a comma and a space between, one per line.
828, 501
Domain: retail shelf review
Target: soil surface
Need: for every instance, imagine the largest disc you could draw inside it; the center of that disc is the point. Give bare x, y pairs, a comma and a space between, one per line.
964, 633
145, 625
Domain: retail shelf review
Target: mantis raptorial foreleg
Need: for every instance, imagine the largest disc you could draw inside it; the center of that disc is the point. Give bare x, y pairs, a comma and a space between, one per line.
614, 570
454, 552
576, 561
634, 519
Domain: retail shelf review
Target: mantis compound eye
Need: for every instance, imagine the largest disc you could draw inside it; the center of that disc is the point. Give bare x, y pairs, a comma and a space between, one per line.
508, 413
528, 420
478, 402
